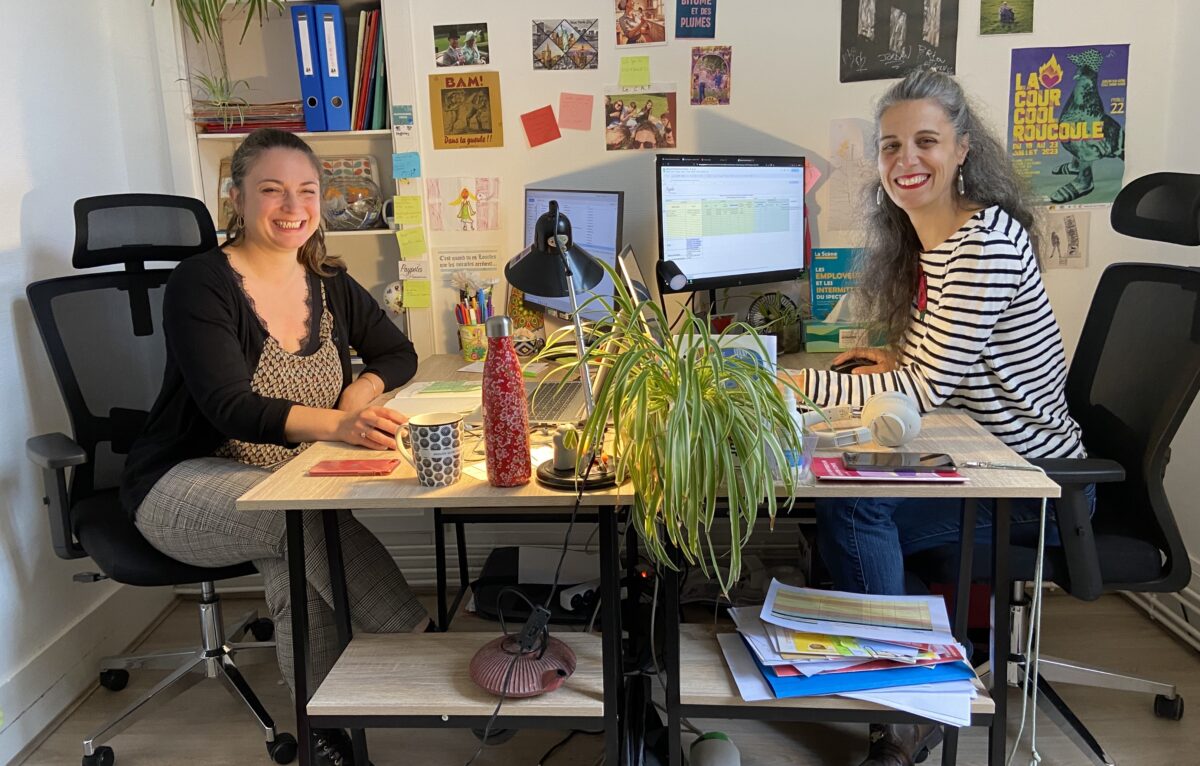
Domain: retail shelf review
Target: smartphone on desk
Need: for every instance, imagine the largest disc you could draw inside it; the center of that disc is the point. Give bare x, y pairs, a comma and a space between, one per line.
898, 461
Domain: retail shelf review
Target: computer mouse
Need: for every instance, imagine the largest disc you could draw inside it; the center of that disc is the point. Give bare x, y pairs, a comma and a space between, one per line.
851, 364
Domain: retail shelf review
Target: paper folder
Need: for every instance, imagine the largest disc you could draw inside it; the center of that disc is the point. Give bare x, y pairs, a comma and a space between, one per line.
304, 29
331, 47
826, 683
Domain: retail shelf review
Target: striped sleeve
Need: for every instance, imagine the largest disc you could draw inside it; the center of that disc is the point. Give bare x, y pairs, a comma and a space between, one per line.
982, 275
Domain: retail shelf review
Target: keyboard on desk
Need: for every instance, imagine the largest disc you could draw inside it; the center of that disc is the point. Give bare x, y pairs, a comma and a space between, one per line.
555, 403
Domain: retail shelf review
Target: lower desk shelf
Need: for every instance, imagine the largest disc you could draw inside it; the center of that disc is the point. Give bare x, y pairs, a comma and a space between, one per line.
705, 681
422, 680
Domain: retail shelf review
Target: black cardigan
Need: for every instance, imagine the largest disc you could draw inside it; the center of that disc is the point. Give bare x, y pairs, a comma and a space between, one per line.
214, 340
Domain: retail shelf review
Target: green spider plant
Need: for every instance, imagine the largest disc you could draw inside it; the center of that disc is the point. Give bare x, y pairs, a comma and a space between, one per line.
203, 19
690, 427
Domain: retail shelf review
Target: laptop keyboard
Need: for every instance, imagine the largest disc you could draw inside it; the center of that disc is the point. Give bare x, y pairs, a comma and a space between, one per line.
554, 402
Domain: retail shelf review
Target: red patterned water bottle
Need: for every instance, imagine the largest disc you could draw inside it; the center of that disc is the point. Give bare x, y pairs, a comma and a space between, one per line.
505, 413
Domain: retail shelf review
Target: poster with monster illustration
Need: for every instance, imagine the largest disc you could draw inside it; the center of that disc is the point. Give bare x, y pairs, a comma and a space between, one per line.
1066, 121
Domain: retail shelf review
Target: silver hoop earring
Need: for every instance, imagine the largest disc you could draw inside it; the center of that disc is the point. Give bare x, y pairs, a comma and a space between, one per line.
879, 195
962, 186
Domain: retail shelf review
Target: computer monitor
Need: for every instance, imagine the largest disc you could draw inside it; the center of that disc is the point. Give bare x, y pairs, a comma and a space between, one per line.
595, 225
725, 221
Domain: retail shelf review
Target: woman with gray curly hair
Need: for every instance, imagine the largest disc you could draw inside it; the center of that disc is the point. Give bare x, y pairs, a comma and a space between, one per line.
950, 283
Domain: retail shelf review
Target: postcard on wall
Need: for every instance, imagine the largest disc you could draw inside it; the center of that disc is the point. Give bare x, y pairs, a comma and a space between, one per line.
1066, 121
695, 18
642, 120
465, 110
460, 44
1063, 243
851, 168
640, 22
712, 75
881, 39
566, 43
1005, 17
462, 204
483, 262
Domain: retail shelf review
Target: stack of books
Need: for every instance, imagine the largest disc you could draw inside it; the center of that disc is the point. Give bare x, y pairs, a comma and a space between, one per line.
369, 98
211, 117
895, 651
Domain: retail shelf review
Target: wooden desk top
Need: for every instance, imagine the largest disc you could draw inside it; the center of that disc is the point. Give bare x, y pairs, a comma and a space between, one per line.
405, 674
705, 679
290, 488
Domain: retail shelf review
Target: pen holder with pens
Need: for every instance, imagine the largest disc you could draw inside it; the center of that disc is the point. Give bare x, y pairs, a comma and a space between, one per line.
474, 307
472, 339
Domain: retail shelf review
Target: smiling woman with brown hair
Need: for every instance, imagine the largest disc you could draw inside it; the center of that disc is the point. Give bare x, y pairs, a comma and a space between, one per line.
258, 334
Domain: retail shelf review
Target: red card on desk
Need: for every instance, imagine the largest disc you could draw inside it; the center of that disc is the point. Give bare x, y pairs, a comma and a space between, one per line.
833, 469
376, 467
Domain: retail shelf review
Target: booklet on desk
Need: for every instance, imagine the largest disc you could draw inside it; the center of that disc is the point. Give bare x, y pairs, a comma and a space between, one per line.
833, 469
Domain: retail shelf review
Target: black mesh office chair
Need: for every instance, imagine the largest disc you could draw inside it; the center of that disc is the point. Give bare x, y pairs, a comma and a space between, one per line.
1131, 382
102, 335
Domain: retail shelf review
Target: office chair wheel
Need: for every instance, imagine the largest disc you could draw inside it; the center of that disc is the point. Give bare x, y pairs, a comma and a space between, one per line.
103, 756
114, 680
1170, 708
283, 749
263, 630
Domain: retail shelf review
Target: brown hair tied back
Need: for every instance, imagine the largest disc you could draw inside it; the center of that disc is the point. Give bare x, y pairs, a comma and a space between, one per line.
312, 254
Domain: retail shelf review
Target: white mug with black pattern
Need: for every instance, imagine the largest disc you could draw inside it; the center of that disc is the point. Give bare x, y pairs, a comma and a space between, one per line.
432, 443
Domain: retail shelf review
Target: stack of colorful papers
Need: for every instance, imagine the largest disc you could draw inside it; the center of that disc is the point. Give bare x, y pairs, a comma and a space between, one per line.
896, 651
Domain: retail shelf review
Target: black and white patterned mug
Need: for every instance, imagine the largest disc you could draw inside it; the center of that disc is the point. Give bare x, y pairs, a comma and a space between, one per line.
432, 443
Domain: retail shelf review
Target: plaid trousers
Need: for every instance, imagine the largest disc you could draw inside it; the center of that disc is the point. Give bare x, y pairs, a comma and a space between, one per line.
189, 515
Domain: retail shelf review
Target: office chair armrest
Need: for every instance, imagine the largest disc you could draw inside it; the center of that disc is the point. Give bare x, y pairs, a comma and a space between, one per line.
54, 453
1079, 471
1083, 577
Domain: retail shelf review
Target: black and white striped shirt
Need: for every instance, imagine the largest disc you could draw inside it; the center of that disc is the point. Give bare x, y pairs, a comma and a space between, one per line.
987, 343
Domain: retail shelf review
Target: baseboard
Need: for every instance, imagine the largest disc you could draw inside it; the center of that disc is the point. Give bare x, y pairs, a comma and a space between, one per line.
53, 681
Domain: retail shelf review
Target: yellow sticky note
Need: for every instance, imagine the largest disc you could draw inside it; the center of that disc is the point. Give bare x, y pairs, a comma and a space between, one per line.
635, 72
412, 243
408, 210
417, 294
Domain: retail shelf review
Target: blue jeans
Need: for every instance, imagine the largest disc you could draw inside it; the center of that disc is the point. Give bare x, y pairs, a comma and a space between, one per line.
863, 541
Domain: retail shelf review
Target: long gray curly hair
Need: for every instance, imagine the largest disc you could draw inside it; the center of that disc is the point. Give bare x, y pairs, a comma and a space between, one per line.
890, 260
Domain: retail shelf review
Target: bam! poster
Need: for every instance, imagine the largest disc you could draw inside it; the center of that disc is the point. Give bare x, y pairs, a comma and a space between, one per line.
1066, 121
465, 109
887, 39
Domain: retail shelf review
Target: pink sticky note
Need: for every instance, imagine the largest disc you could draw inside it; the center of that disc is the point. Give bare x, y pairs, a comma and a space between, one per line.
575, 111
811, 176
540, 126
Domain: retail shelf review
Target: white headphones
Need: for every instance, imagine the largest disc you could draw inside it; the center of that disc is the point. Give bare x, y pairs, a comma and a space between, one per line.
891, 418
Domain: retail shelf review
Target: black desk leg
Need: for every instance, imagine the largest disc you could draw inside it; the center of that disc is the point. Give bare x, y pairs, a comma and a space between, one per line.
460, 542
341, 608
298, 587
962, 605
610, 624
1001, 587
670, 584
439, 553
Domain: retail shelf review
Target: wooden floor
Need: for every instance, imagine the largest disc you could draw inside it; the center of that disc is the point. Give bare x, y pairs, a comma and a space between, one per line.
205, 727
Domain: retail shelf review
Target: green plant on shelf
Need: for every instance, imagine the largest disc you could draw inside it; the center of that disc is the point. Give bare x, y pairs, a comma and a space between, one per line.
690, 425
204, 20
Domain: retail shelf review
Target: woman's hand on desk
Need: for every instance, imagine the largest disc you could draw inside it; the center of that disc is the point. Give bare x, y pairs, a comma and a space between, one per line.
372, 427
880, 360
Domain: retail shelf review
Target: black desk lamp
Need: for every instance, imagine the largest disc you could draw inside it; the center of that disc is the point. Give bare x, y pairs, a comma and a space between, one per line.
555, 266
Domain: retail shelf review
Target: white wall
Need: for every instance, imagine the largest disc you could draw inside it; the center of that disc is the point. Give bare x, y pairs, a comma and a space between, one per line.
82, 115
1182, 117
